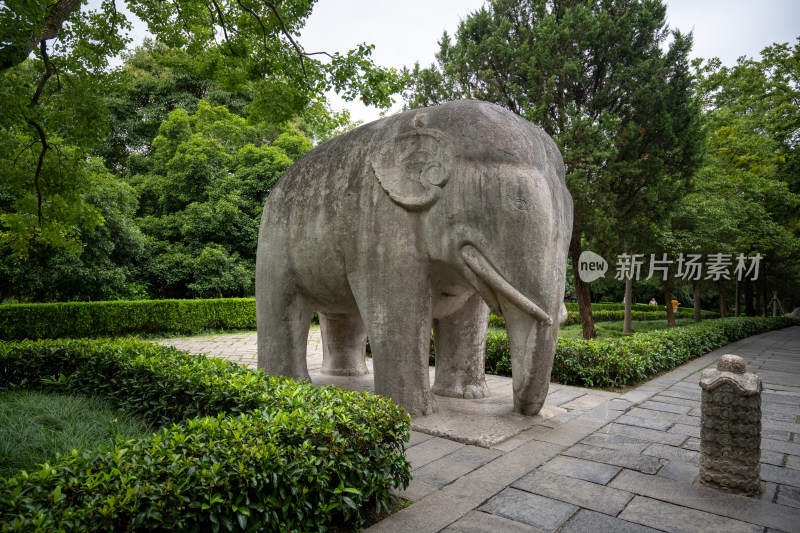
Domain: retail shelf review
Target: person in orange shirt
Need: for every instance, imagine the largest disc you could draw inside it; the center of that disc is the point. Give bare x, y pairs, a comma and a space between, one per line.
675, 304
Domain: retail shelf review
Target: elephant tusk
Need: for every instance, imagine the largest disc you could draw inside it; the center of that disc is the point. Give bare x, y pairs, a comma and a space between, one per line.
493, 279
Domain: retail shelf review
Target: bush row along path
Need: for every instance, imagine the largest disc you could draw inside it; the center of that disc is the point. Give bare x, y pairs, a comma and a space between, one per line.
595, 461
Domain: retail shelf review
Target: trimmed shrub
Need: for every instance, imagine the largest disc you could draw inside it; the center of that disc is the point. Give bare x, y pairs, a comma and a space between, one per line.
618, 362
616, 315
241, 451
87, 319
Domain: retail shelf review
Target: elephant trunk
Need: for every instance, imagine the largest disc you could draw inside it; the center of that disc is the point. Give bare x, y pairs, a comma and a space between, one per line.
532, 346
532, 333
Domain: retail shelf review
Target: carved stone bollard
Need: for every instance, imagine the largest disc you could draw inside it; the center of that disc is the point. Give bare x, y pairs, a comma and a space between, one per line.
730, 432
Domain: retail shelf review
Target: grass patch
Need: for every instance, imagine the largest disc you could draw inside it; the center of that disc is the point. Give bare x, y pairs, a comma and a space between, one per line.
38, 426
612, 330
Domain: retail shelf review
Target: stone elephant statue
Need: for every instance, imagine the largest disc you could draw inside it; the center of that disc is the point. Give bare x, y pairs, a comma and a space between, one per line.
412, 222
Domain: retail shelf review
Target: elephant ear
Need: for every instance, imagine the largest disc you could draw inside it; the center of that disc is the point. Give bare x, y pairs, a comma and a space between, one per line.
415, 167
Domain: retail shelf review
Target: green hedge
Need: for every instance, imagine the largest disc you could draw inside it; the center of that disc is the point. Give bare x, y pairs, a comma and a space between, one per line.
612, 315
93, 319
240, 450
617, 362
89, 319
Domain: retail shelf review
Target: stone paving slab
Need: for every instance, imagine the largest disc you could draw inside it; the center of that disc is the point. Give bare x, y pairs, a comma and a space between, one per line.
581, 469
531, 509
567, 489
750, 510
676, 519
589, 521
530, 481
480, 522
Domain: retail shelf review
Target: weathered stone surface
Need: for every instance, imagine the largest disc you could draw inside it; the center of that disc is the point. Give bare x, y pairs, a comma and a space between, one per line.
480, 522
702, 498
575, 491
650, 435
667, 407
430, 450
531, 509
789, 496
585, 521
649, 423
408, 223
641, 463
617, 442
482, 422
582, 469
675, 519
679, 471
782, 475
730, 432
451, 467
672, 453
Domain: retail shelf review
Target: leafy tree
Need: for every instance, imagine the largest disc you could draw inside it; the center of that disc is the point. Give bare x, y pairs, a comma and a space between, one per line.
606, 79
202, 188
53, 82
156, 79
109, 267
752, 149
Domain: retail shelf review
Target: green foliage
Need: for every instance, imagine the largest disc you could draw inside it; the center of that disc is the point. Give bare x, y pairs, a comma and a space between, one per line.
113, 258
154, 81
608, 80
752, 148
615, 312
86, 319
618, 362
55, 88
202, 189
244, 451
38, 426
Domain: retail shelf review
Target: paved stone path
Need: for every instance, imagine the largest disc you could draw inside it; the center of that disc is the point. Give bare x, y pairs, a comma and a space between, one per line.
621, 463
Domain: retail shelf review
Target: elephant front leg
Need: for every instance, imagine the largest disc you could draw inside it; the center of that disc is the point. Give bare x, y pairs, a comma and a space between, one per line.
460, 344
398, 322
344, 342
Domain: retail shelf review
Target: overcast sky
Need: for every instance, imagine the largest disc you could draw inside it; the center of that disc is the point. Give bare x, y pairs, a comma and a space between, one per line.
406, 32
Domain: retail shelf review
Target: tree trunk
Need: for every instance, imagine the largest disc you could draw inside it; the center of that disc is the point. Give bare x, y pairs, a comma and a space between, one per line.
762, 300
748, 298
581, 289
738, 307
774, 303
723, 308
696, 290
627, 326
668, 301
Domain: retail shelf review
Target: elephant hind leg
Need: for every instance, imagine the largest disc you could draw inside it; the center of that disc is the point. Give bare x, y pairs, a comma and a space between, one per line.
344, 342
460, 344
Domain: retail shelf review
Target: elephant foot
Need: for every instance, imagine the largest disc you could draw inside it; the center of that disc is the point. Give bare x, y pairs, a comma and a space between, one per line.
421, 406
527, 408
468, 391
358, 371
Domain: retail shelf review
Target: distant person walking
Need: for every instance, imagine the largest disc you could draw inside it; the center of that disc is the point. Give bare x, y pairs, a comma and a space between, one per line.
653, 301
675, 304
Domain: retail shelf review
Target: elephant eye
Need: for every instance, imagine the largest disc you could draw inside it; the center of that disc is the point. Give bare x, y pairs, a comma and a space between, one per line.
520, 204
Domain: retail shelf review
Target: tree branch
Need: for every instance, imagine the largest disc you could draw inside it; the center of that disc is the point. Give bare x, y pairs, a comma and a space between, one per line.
45, 147
48, 71
260, 23
12, 55
288, 35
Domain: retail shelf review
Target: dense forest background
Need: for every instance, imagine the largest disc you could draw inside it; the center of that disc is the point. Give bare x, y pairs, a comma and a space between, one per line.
147, 180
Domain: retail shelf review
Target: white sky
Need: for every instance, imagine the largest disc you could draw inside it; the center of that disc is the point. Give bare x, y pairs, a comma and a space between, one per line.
408, 31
